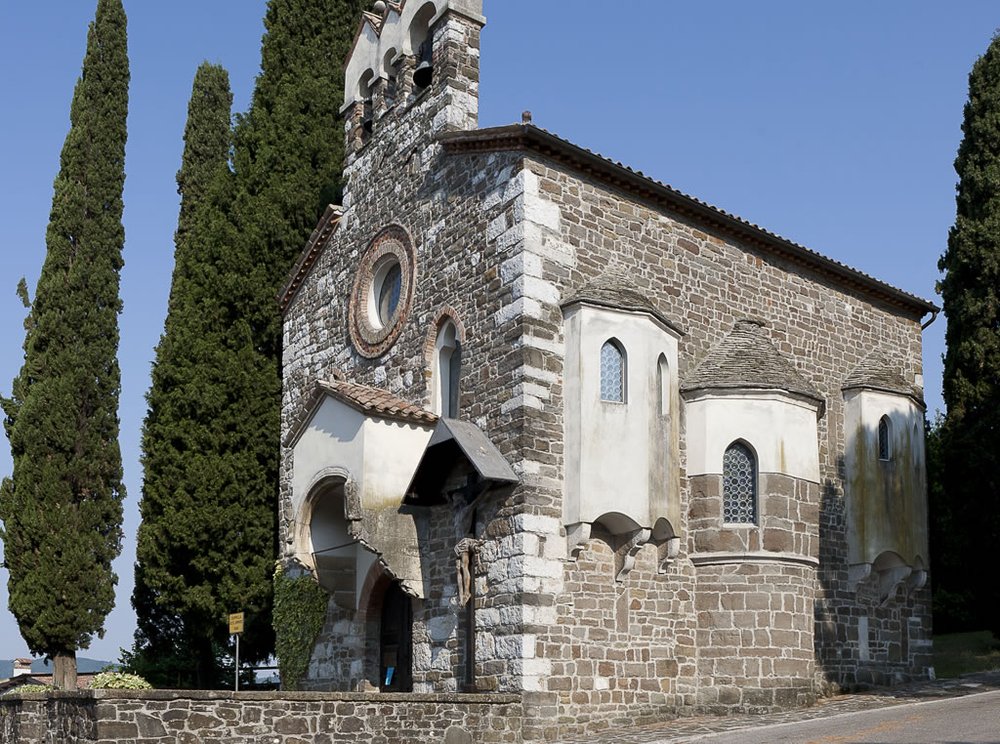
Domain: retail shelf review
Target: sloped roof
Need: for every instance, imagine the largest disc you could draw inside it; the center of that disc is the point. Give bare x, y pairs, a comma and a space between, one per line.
876, 372
477, 448
376, 401
314, 246
534, 139
374, 19
454, 440
613, 289
746, 359
371, 401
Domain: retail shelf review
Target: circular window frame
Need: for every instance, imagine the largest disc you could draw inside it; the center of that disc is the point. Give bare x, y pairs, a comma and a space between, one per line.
371, 334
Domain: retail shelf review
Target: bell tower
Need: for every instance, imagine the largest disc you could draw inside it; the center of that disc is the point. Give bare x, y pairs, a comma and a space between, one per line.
414, 66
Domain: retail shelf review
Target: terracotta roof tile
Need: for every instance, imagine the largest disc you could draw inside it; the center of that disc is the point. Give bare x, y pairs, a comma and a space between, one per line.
371, 401
376, 401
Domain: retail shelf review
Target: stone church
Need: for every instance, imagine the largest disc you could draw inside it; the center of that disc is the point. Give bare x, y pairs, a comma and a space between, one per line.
551, 427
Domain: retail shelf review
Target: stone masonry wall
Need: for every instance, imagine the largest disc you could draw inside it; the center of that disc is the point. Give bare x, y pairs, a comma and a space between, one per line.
461, 217
346, 656
172, 717
622, 653
500, 240
787, 521
755, 636
704, 280
870, 641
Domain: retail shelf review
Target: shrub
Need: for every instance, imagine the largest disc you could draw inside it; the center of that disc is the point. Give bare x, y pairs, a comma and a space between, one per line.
119, 681
24, 689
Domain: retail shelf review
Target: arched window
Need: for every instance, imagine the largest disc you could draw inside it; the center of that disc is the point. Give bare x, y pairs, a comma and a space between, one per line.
447, 371
663, 383
365, 94
612, 372
421, 45
739, 485
884, 442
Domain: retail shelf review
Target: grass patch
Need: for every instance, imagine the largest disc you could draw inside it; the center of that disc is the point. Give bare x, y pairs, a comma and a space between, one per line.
962, 653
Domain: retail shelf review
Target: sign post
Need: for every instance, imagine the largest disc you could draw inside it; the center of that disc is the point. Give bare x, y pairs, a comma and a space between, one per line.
235, 628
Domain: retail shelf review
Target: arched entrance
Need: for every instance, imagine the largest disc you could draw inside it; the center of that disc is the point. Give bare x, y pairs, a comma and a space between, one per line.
396, 641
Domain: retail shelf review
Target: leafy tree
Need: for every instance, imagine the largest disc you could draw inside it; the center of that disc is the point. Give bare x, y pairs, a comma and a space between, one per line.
970, 291
62, 507
183, 585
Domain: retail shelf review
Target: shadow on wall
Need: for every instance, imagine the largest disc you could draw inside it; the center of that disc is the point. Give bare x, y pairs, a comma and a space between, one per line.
873, 606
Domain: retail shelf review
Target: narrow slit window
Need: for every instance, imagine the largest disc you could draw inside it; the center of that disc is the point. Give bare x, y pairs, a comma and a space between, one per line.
739, 485
612, 372
884, 443
663, 380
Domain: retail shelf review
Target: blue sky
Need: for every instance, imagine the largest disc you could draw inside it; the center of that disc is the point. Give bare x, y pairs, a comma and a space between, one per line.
832, 124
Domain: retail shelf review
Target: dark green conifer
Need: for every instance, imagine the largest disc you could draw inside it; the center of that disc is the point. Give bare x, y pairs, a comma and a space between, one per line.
62, 507
970, 291
185, 549
208, 540
288, 163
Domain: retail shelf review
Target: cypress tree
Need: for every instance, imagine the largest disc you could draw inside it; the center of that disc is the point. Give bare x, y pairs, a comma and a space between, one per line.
184, 549
288, 151
288, 154
62, 506
970, 291
208, 540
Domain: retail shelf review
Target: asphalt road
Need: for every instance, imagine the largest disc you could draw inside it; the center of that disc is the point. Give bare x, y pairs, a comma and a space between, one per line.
971, 719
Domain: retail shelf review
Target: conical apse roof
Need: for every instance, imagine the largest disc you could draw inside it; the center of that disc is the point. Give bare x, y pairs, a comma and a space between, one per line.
747, 359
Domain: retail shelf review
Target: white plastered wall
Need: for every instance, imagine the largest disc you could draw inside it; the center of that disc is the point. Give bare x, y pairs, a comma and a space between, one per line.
886, 500
779, 427
392, 451
621, 458
378, 457
331, 443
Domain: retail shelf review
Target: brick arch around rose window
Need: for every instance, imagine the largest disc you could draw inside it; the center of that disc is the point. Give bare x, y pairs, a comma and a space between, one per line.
371, 335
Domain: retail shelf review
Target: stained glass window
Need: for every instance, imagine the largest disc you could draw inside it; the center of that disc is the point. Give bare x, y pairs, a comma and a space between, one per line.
389, 289
739, 485
612, 373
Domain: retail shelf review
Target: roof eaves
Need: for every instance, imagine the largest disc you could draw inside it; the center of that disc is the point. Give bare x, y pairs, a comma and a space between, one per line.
338, 390
913, 394
652, 312
799, 390
374, 20
314, 246
476, 447
530, 137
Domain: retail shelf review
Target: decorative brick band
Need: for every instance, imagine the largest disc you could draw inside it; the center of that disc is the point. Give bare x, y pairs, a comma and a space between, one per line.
446, 313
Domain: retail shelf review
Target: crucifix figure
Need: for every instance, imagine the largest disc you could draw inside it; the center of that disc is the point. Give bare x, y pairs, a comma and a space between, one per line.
464, 551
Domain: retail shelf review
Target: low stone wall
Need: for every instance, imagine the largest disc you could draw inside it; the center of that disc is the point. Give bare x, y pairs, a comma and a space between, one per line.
200, 717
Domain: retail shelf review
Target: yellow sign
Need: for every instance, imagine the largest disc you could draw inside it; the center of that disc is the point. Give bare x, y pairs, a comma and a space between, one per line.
236, 623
